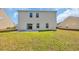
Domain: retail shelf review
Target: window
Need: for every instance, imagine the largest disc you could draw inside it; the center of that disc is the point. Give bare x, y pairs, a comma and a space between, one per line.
37, 25
30, 15
37, 15
47, 25
29, 26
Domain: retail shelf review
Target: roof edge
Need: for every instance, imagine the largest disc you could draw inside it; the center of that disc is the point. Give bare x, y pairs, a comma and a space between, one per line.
36, 10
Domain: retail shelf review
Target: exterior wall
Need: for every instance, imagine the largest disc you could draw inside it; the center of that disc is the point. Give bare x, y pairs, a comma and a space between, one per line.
44, 17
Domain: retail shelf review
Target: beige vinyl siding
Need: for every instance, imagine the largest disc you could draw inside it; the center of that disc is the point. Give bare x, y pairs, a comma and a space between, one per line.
44, 17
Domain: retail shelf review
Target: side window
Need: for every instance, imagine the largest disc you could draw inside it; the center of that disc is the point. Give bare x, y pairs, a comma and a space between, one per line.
30, 15
37, 15
47, 25
37, 25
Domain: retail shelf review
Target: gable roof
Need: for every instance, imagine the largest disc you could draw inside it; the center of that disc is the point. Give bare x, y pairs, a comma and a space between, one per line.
70, 23
5, 20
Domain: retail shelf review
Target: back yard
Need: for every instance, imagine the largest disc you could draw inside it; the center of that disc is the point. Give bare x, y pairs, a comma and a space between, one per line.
40, 41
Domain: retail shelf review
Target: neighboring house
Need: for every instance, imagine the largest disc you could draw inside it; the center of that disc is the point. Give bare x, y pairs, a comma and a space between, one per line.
36, 20
5, 21
70, 23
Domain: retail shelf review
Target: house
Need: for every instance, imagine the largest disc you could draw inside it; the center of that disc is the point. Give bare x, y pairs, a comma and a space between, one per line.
5, 21
36, 20
70, 22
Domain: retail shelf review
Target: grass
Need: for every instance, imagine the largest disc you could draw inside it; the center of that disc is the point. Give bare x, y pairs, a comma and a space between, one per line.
59, 40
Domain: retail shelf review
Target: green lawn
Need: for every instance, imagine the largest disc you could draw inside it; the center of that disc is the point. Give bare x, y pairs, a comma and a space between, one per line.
36, 41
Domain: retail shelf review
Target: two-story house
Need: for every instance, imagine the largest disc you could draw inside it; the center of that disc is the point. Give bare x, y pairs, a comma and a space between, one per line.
36, 20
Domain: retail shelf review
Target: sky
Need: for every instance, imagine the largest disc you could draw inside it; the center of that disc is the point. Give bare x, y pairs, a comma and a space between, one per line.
62, 13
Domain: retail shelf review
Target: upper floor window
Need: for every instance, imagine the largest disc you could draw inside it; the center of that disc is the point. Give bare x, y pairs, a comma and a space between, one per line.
37, 25
47, 25
37, 15
30, 15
